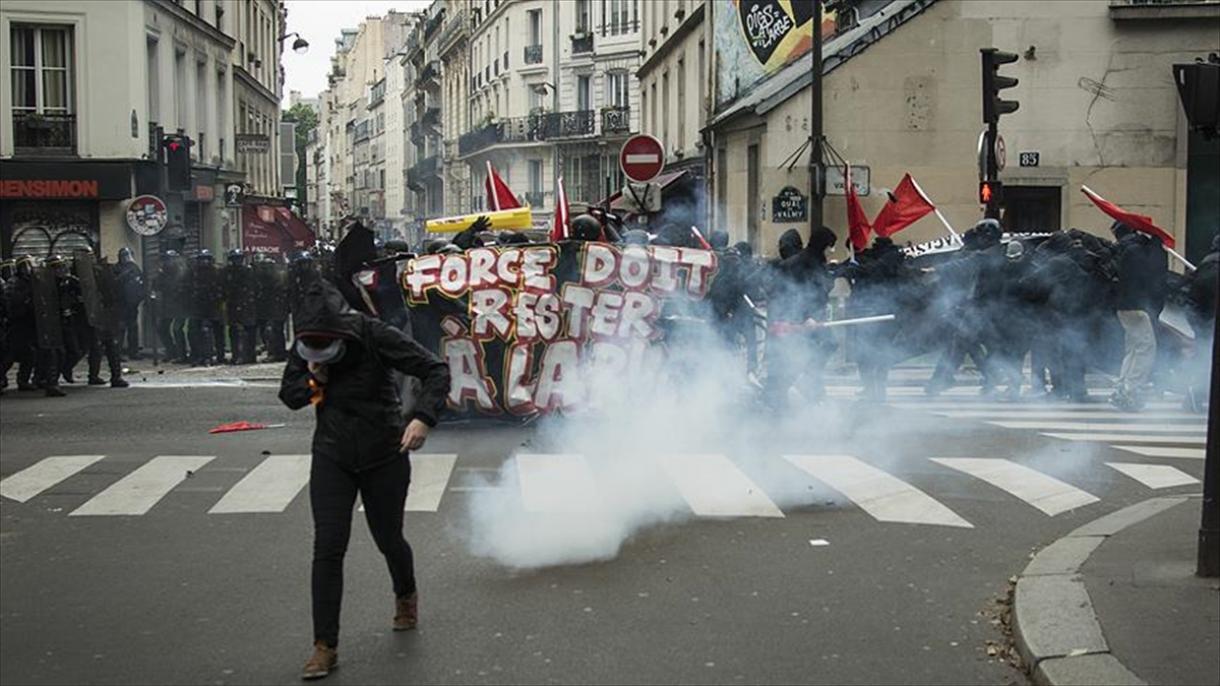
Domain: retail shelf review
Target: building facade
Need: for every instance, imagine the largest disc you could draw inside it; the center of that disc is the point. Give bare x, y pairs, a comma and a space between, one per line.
674, 78
902, 93
73, 108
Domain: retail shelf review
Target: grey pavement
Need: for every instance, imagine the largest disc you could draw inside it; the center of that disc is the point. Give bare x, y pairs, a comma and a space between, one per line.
178, 595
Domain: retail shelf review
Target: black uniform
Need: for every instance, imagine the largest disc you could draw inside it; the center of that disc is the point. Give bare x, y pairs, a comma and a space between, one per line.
22, 336
205, 328
240, 308
75, 322
48, 321
271, 306
875, 278
356, 441
129, 281
798, 289
169, 295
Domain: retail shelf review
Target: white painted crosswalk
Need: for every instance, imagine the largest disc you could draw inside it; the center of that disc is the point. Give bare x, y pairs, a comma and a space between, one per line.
1044, 425
1044, 492
885, 497
1109, 437
703, 485
1163, 451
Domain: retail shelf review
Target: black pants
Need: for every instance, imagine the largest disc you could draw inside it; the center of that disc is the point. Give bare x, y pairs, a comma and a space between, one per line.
207, 340
242, 342
332, 495
101, 342
129, 331
272, 332
173, 339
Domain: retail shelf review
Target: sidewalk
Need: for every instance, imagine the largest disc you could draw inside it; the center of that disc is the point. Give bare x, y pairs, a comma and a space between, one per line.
168, 373
1117, 602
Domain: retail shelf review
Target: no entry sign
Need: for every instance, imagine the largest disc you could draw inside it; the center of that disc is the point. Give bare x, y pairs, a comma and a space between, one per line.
642, 158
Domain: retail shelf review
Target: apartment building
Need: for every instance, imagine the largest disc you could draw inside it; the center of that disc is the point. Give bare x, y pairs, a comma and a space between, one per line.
674, 78
424, 114
553, 92
76, 110
452, 49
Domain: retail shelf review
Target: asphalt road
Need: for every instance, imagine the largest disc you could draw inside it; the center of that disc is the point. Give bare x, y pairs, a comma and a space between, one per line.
181, 595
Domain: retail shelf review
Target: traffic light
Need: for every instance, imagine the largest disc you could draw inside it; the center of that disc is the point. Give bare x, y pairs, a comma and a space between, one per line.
990, 192
993, 105
1199, 88
177, 161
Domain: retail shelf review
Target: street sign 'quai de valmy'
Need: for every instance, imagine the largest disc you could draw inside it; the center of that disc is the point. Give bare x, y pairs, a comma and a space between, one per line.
642, 158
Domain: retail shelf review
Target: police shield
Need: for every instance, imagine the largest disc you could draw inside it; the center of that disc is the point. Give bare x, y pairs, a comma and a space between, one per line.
46, 308
84, 268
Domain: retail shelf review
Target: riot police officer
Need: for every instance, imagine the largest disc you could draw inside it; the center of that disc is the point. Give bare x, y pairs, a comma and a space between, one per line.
169, 291
22, 334
240, 307
103, 309
129, 281
271, 306
48, 324
6, 275
205, 328
74, 319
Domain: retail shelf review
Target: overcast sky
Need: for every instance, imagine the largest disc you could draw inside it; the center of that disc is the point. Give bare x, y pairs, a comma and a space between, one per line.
319, 22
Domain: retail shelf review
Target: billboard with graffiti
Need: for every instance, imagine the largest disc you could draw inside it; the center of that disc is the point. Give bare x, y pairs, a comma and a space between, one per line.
760, 37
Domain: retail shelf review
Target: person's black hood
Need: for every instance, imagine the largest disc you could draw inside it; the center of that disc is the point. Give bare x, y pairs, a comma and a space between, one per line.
324, 312
790, 243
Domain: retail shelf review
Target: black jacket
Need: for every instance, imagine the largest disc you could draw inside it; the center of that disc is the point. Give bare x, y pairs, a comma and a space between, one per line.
359, 415
1141, 269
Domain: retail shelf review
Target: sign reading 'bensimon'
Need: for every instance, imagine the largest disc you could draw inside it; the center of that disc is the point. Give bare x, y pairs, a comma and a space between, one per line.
88, 189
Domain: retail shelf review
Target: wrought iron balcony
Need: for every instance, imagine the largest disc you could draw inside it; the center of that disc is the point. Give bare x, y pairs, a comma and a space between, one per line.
46, 133
568, 124
533, 54
535, 199
479, 138
535, 127
424, 171
616, 120
417, 133
432, 117
582, 43
431, 72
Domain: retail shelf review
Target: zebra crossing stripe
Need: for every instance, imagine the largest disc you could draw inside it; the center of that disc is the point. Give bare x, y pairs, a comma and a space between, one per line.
1199, 440
556, 483
1068, 413
1162, 451
430, 474
1097, 426
42, 475
269, 487
714, 487
1155, 475
136, 493
1044, 492
1013, 408
881, 495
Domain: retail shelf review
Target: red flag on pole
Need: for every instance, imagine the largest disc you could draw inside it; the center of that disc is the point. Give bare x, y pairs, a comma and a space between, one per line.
858, 227
563, 220
499, 197
1138, 222
907, 204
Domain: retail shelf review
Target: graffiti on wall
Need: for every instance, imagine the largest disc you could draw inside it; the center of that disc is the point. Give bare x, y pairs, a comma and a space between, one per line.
764, 35
43, 229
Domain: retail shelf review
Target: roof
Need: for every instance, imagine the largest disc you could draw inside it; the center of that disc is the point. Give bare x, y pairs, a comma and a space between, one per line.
798, 75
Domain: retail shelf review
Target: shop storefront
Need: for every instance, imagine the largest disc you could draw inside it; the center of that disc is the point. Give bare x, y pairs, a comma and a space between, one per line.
51, 208
273, 229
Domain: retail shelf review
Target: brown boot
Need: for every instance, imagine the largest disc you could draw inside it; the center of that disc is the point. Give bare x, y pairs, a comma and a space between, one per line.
323, 660
406, 614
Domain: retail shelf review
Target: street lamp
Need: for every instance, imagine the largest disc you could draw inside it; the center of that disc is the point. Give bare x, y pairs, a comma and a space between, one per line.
300, 46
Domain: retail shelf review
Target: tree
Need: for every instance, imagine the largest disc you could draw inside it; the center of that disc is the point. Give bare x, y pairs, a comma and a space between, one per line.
306, 119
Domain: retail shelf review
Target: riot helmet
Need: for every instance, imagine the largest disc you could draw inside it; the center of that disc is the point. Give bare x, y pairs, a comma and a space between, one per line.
205, 256
171, 253
585, 227
125, 255
237, 258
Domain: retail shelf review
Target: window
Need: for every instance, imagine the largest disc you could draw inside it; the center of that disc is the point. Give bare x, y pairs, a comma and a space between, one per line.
201, 110
535, 18
681, 109
536, 99
180, 91
152, 68
584, 93
616, 88
618, 19
582, 16
665, 109
700, 76
652, 98
535, 176
42, 69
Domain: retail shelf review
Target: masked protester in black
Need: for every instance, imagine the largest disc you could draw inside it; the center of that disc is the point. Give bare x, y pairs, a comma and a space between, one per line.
798, 290
961, 303
875, 279
1201, 294
1140, 267
342, 363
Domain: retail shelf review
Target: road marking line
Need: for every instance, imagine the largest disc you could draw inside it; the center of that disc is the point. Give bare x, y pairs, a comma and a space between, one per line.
883, 496
1044, 492
269, 487
43, 474
714, 487
1096, 426
430, 474
1013, 409
136, 493
1155, 475
1161, 451
556, 483
1130, 438
1069, 413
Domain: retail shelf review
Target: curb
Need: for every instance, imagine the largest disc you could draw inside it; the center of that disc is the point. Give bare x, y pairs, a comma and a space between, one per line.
1056, 629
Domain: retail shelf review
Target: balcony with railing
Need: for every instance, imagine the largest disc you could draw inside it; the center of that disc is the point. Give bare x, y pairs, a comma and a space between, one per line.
535, 127
431, 74
417, 133
616, 120
424, 172
432, 117
582, 43
533, 54
568, 124
431, 26
534, 199
454, 28
1164, 9
46, 133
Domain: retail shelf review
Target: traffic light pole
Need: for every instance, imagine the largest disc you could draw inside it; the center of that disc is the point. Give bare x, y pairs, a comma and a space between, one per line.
993, 171
1209, 526
816, 171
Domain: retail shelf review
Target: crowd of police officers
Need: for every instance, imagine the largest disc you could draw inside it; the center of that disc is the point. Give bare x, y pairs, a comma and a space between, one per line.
58, 311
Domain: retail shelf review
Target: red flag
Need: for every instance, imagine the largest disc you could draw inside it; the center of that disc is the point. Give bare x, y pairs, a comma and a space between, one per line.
561, 225
499, 197
858, 227
241, 426
1137, 222
907, 204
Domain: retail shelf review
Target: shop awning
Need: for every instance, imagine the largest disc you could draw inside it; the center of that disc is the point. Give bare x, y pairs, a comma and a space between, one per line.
271, 229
